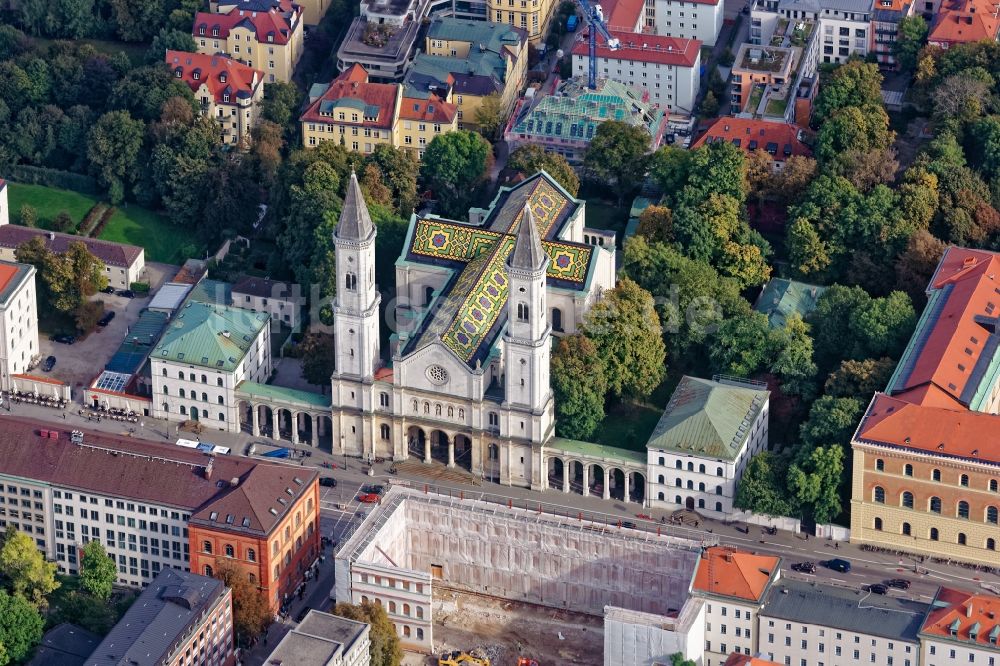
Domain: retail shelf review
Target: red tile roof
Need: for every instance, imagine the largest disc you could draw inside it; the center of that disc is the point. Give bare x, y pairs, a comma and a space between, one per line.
963, 616
756, 134
431, 110
353, 84
7, 273
960, 21
622, 15
112, 254
636, 47
278, 25
220, 74
737, 659
729, 572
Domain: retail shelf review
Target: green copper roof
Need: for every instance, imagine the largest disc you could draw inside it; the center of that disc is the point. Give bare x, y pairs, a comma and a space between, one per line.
574, 446
708, 418
283, 393
210, 336
491, 36
781, 297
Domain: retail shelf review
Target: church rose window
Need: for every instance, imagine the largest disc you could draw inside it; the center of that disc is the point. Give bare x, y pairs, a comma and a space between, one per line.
437, 374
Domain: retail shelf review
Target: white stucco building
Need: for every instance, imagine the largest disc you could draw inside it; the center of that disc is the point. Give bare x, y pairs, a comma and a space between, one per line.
204, 354
280, 299
709, 430
18, 320
698, 19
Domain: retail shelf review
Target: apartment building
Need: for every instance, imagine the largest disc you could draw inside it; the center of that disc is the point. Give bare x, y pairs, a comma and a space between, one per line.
961, 628
312, 10
227, 90
779, 140
270, 41
532, 16
667, 69
202, 356
808, 624
925, 474
362, 115
962, 22
322, 639
280, 299
886, 17
708, 432
763, 80
684, 19
733, 585
467, 61
18, 320
179, 619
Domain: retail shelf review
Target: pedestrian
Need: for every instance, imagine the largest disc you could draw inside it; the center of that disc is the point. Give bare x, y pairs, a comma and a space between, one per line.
837, 545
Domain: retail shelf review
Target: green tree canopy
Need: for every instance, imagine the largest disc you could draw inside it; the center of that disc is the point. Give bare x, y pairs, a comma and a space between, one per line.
529, 159
762, 488
831, 421
383, 645
169, 40
911, 37
854, 83
113, 149
579, 386
626, 330
618, 155
454, 167
98, 571
656, 224
814, 482
742, 345
489, 117
251, 614
794, 362
30, 575
20, 628
318, 355
860, 379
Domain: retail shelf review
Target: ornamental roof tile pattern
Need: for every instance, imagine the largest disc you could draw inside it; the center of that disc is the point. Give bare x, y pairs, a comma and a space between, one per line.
707, 418
220, 74
964, 617
471, 309
210, 336
727, 572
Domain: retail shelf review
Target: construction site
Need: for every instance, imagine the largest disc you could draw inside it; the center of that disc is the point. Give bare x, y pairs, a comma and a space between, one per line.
457, 573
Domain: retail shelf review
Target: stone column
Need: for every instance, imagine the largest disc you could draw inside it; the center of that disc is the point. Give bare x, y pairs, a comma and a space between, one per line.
295, 427
628, 486
427, 450
506, 473
566, 467
451, 451
255, 421
607, 483
586, 480
315, 432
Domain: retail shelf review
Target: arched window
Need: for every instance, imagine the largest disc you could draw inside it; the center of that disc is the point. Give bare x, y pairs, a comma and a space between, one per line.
993, 485
718, 507
164, 372
180, 375
406, 609
204, 397
936, 475
276, 572
298, 519
661, 460
908, 469
204, 412
251, 555
907, 500
679, 465
420, 612
661, 478
204, 379
181, 393
991, 515
206, 547
690, 466
961, 539
166, 407
660, 497
298, 542
385, 431
963, 509
406, 631
522, 312
906, 529
392, 606
679, 484
557, 324
701, 504
221, 401
184, 410
350, 282
208, 570
309, 505
678, 500
383, 399
274, 548
964, 480
690, 485
934, 534
878, 524
718, 471
935, 505
701, 468
218, 381
494, 419
880, 465
718, 490
701, 487
428, 295
879, 495
991, 544
229, 551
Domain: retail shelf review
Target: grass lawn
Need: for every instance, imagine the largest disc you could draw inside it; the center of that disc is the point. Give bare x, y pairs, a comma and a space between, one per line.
139, 226
776, 107
48, 202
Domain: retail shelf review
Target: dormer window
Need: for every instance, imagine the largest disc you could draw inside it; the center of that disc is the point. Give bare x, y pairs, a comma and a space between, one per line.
178, 72
223, 77
201, 30
270, 36
196, 75
215, 31
225, 97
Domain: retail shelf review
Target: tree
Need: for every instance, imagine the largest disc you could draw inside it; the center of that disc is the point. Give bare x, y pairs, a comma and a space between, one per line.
916, 264
113, 149
618, 155
399, 169
171, 40
794, 363
137, 20
579, 385
850, 131
961, 98
745, 263
855, 84
87, 314
814, 481
677, 659
383, 645
883, 325
742, 345
62, 221
860, 379
709, 105
656, 224
911, 34
28, 216
833, 336
529, 159
626, 330
454, 166
251, 614
762, 486
831, 421
794, 177
98, 571
702, 228
20, 628
490, 115
318, 355
24, 565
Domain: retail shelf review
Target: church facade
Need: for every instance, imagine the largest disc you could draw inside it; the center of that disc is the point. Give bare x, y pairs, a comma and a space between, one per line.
477, 306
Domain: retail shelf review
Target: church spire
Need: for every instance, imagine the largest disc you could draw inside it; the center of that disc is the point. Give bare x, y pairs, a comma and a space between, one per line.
355, 222
528, 254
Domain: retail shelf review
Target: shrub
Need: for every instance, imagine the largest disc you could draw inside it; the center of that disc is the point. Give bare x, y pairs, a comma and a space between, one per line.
22, 173
63, 222
86, 315
28, 216
105, 216
139, 287
91, 218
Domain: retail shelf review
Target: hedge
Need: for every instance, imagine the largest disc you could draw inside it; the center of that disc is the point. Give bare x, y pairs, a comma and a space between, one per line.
22, 173
101, 223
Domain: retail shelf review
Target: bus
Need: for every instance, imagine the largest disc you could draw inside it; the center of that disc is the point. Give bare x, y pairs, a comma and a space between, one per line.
205, 447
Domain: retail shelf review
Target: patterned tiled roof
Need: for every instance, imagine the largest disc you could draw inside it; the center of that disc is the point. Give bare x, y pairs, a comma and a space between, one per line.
472, 308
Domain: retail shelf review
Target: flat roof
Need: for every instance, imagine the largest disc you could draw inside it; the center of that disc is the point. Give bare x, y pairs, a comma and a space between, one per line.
12, 276
283, 393
170, 296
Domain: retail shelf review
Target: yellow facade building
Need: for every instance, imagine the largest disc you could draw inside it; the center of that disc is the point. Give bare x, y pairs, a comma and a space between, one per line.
532, 16
312, 10
271, 41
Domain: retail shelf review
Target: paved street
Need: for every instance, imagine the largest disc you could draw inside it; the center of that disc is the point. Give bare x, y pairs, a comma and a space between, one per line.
341, 509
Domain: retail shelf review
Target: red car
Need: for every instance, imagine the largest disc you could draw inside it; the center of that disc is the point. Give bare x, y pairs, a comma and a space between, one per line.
368, 498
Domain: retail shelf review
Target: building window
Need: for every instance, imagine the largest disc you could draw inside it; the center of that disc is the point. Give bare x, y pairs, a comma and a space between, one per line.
208, 570
907, 500
934, 534
964, 480
206, 547
991, 544
961, 539
908, 469
879, 495
878, 524
936, 475
991, 515
963, 509
906, 529
385, 431
880, 465
251, 555
229, 550
935, 505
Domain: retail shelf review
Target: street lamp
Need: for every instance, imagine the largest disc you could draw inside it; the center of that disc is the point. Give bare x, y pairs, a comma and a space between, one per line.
343, 449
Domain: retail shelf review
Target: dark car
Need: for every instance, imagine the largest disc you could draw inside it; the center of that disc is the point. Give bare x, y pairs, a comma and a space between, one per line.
877, 588
843, 566
64, 339
898, 583
804, 567
302, 614
373, 488
629, 524
106, 319
49, 363
328, 481
127, 293
108, 290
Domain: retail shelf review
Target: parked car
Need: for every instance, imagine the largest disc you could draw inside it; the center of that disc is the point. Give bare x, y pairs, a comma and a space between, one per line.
368, 498
49, 363
629, 524
63, 339
843, 566
127, 293
328, 481
302, 614
108, 290
898, 583
106, 319
374, 489
804, 567
876, 588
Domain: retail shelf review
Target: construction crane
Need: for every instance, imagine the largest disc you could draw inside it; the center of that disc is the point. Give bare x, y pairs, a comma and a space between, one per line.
595, 17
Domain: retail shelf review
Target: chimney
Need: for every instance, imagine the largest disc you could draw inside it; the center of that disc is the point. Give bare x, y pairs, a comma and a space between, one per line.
52, 235
208, 468
968, 610
233, 482
225, 334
